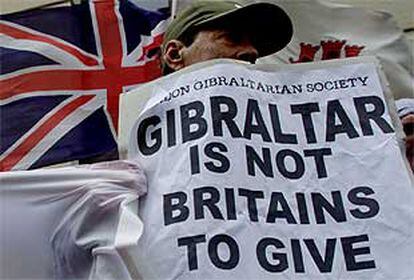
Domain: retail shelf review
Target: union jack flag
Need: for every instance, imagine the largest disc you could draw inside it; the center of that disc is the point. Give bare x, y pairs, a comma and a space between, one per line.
62, 71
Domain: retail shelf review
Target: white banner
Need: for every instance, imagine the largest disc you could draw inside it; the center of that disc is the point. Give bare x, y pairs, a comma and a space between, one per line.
69, 223
256, 173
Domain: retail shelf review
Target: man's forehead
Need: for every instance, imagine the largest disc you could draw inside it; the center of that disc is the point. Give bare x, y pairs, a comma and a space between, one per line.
221, 32
230, 30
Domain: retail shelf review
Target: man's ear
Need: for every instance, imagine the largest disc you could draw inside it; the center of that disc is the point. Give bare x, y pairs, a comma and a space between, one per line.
173, 54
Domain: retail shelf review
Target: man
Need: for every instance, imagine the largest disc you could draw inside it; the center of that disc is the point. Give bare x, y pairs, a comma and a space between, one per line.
208, 30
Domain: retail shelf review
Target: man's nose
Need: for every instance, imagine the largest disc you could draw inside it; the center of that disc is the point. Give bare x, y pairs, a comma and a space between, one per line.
248, 53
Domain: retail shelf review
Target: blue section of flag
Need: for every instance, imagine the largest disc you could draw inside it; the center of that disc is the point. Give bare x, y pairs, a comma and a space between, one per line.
72, 24
91, 135
13, 60
17, 117
136, 18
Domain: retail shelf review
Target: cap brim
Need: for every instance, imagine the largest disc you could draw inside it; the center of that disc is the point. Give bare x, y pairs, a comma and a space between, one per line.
269, 27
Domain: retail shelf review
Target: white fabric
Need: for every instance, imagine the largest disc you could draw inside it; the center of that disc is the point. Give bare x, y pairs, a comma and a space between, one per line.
318, 22
405, 107
199, 221
69, 223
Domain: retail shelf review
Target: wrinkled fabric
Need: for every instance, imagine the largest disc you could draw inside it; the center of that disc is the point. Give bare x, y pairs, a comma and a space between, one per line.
405, 107
70, 222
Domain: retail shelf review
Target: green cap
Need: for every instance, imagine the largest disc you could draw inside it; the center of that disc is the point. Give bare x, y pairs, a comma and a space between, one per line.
268, 25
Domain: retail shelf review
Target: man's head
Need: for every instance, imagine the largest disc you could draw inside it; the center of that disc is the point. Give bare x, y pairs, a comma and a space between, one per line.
223, 29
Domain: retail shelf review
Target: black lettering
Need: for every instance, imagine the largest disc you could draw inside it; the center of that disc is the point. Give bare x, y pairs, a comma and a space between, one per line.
329, 85
297, 256
324, 264
200, 201
191, 243
309, 88
230, 204
198, 85
171, 135
209, 150
234, 253
306, 110
363, 80
212, 82
297, 89
318, 155
253, 111
169, 207
253, 159
343, 84
318, 86
280, 137
302, 208
222, 81
188, 121
350, 253
219, 116
194, 160
251, 202
375, 115
233, 82
281, 262
155, 135
335, 109
281, 164
284, 213
353, 81
336, 210
370, 203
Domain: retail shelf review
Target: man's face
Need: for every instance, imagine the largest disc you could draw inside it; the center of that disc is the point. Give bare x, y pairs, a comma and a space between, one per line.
210, 44
217, 43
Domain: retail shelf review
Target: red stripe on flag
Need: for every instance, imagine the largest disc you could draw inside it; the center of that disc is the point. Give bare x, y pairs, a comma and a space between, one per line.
30, 142
149, 72
21, 34
157, 41
53, 80
110, 39
109, 34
